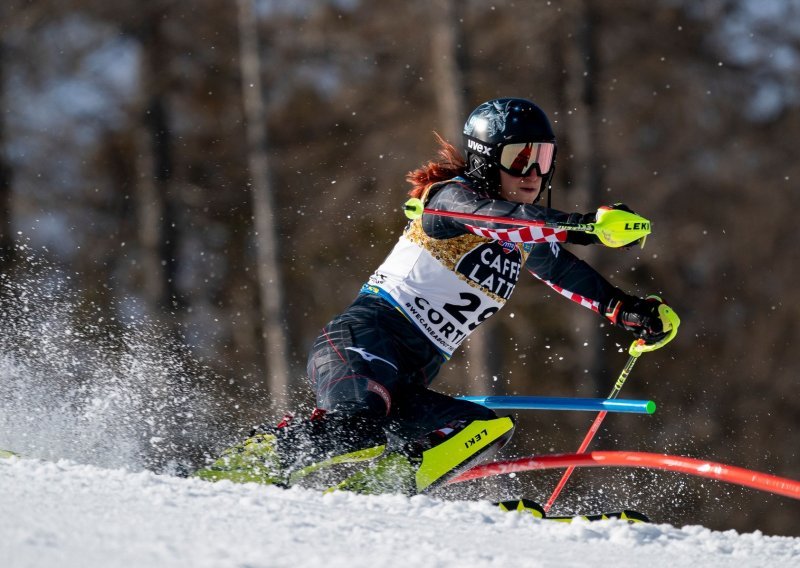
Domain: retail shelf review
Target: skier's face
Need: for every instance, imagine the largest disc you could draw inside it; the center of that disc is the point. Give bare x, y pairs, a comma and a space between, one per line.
520, 189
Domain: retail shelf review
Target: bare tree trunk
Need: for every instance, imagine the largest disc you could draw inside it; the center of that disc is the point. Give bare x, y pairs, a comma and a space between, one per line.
582, 64
448, 68
269, 271
156, 222
450, 92
6, 235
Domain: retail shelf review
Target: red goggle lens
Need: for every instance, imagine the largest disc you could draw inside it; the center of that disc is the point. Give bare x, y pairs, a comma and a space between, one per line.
519, 159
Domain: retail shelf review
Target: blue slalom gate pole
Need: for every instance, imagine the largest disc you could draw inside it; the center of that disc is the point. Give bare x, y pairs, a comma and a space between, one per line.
556, 403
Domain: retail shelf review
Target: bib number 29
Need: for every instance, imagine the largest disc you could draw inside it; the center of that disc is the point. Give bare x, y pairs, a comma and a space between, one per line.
463, 312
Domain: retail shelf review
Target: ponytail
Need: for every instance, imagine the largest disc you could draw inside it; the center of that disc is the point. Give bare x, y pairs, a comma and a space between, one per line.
449, 165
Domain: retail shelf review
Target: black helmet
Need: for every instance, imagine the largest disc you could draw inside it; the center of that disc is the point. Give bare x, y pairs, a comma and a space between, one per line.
509, 134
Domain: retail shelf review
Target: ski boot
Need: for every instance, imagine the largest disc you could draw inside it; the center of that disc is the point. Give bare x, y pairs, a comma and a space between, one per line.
292, 451
255, 460
425, 464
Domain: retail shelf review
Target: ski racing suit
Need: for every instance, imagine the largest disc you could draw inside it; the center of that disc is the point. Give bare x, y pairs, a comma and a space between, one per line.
444, 277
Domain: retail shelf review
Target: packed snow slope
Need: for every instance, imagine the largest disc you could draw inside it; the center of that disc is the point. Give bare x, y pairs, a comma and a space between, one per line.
69, 515
124, 397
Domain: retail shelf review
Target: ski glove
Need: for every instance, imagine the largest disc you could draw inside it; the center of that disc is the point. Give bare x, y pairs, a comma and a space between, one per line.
649, 319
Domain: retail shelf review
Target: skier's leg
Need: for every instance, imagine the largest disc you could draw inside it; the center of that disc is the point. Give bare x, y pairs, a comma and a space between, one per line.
420, 411
433, 437
348, 424
353, 365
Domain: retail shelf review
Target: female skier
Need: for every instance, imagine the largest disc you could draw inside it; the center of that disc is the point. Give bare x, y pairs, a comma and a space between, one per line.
372, 365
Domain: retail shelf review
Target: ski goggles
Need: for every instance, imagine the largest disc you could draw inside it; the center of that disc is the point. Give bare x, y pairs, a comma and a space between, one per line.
520, 159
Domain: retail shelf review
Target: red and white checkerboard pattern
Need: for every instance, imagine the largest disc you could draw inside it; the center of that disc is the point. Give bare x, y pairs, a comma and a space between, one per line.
593, 305
522, 234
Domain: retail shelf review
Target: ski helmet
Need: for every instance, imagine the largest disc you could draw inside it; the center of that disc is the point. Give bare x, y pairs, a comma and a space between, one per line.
509, 134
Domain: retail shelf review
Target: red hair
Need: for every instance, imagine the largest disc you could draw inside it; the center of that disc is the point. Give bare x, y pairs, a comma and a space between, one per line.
449, 165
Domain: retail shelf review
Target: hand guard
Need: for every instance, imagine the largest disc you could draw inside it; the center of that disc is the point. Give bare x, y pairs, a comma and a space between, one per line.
650, 319
618, 226
615, 226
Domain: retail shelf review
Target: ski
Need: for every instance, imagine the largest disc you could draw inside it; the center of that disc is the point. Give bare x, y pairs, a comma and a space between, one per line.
535, 509
519, 505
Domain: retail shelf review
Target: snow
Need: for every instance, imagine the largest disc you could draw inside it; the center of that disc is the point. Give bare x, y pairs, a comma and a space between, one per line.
121, 406
70, 515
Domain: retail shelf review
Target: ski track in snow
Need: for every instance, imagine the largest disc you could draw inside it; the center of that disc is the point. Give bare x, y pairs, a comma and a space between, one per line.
69, 515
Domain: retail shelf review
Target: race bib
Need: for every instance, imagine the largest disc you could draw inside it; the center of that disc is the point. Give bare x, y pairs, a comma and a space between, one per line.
448, 287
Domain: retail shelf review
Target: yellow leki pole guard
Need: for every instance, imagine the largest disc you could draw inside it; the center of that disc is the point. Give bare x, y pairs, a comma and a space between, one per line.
413, 208
618, 228
670, 321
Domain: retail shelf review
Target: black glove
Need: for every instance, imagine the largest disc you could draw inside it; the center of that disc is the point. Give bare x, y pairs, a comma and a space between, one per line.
639, 316
621, 207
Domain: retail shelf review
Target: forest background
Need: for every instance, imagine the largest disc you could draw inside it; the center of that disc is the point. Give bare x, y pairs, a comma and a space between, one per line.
232, 172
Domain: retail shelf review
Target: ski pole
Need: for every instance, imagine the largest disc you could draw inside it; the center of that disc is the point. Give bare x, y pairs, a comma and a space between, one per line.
635, 350
614, 227
670, 321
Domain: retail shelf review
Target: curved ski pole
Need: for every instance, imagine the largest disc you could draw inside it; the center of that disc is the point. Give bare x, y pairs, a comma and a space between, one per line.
635, 350
614, 227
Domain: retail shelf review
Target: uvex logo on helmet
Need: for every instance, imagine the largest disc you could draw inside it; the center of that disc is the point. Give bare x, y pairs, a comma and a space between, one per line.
478, 147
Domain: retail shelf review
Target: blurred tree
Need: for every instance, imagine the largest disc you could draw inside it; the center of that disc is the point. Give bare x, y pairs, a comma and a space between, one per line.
266, 222
448, 69
582, 25
448, 66
156, 199
6, 201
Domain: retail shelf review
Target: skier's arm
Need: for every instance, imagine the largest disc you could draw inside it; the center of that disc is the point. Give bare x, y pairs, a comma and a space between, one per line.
461, 198
571, 277
576, 280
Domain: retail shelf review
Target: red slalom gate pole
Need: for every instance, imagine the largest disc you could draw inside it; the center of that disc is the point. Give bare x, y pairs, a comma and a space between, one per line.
598, 420
700, 468
634, 351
